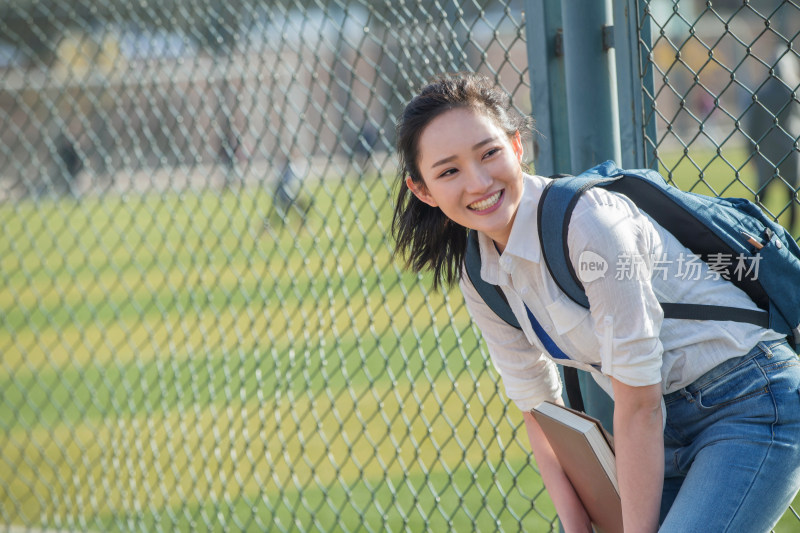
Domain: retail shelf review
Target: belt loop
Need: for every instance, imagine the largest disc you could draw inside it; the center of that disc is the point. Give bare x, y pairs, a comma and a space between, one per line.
766, 349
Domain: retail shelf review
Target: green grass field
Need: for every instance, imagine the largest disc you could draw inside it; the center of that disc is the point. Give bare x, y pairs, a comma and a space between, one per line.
171, 363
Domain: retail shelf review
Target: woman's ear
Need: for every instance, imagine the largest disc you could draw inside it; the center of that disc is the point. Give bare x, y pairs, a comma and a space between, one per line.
516, 144
421, 192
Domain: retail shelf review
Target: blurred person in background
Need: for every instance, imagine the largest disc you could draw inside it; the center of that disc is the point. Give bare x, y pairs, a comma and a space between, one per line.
288, 200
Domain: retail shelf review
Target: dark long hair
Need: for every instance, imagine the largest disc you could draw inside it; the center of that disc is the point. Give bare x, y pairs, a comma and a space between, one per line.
424, 236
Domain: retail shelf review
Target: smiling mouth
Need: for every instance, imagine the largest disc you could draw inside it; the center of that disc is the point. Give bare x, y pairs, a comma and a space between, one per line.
486, 203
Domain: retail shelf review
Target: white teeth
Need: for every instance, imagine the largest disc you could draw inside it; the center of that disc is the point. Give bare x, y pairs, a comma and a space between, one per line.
487, 203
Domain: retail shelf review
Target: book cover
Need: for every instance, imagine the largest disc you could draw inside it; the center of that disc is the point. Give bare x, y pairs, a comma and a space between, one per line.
586, 454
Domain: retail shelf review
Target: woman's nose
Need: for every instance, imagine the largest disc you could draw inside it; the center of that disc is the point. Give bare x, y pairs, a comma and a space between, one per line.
478, 180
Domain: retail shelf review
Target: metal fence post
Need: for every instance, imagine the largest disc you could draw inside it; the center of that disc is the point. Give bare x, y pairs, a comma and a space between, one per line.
629, 84
590, 69
548, 85
575, 132
593, 120
633, 83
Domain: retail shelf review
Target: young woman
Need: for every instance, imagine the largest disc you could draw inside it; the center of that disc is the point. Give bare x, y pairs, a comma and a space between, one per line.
707, 414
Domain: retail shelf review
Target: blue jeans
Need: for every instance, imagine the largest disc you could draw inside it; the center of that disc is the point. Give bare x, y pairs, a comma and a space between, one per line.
732, 445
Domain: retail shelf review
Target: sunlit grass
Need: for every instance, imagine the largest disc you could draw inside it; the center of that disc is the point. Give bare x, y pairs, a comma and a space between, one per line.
169, 353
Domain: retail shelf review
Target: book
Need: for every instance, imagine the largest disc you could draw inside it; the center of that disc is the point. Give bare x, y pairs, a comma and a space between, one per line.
586, 453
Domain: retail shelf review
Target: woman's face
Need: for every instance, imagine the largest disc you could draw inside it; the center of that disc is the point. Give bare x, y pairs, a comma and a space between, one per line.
472, 172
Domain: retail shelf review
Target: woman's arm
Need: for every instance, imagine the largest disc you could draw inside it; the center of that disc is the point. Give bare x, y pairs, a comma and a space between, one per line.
569, 507
639, 449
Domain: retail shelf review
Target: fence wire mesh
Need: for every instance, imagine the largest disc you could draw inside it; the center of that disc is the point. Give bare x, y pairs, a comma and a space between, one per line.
724, 114
202, 325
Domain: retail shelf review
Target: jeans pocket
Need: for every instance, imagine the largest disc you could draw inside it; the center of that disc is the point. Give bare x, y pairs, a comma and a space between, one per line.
740, 383
783, 372
782, 364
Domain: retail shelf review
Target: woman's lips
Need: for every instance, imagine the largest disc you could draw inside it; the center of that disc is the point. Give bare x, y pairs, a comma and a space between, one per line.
487, 203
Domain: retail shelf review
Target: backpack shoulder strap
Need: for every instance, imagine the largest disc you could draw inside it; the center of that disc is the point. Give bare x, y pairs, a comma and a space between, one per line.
491, 294
555, 211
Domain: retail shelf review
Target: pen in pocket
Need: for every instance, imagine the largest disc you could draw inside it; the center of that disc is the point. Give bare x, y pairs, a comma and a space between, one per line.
752, 240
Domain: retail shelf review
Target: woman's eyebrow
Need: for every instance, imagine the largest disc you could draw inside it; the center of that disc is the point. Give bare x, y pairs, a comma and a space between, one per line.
443, 161
485, 141
474, 147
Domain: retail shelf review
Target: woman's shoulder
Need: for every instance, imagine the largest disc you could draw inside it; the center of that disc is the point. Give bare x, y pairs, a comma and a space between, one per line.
603, 219
598, 204
589, 200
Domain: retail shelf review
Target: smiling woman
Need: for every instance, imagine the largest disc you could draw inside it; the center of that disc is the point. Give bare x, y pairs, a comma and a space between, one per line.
734, 462
480, 185
460, 149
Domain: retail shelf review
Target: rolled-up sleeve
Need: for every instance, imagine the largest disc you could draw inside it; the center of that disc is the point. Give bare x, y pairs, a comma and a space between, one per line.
625, 310
529, 376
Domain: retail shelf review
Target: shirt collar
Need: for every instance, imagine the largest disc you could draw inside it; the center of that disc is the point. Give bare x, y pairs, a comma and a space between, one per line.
523, 242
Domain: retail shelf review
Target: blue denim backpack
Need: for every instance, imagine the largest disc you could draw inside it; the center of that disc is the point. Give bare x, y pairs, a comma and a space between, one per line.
763, 258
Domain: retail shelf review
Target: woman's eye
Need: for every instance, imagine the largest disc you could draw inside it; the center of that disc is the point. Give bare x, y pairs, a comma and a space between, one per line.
491, 152
448, 172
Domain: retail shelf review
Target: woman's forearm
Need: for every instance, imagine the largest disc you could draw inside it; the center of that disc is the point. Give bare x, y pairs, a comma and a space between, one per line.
639, 449
570, 510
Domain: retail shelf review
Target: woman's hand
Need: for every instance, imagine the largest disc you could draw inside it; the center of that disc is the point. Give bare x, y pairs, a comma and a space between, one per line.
639, 449
570, 510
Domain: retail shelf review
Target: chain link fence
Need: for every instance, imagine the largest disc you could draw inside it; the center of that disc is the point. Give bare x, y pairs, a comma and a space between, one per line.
723, 116
202, 325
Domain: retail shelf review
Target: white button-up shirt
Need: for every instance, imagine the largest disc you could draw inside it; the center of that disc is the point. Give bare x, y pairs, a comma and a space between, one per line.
623, 333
